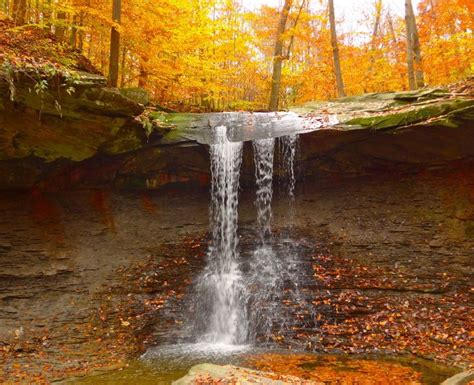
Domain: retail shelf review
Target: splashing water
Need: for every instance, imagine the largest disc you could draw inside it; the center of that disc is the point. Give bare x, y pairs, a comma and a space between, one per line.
221, 312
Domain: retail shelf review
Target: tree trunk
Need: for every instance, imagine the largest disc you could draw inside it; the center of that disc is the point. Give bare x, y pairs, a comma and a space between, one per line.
81, 32
142, 77
278, 57
335, 50
6, 7
420, 81
414, 65
114, 45
47, 14
73, 37
37, 12
19, 11
378, 14
143, 72
60, 29
373, 43
394, 44
124, 60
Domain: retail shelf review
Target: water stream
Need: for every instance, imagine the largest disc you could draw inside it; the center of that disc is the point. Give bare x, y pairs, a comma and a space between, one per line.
240, 300
220, 292
264, 278
288, 147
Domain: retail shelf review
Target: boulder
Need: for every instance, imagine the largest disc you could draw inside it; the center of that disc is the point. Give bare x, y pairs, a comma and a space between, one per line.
228, 374
137, 94
464, 378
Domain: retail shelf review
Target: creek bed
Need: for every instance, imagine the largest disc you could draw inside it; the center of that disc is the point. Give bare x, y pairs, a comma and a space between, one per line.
162, 366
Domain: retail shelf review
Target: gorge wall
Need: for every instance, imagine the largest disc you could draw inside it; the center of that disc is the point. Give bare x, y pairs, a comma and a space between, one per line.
104, 221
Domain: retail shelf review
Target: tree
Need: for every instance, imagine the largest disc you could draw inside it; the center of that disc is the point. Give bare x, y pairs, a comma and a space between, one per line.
414, 65
115, 44
278, 57
216, 55
19, 11
378, 14
335, 51
61, 24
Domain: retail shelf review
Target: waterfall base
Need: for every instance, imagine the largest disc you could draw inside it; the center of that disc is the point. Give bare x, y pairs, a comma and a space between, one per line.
122, 265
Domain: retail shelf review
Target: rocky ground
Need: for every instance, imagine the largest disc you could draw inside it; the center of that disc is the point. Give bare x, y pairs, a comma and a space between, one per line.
92, 278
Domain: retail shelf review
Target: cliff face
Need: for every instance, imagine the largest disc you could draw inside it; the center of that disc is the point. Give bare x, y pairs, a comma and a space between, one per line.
89, 276
80, 133
404, 132
386, 212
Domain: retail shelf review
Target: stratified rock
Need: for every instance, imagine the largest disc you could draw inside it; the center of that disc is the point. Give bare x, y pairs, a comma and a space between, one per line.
56, 124
95, 136
395, 132
137, 94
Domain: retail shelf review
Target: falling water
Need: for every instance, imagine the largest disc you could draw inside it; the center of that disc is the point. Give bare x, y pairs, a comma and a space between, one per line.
229, 307
288, 147
263, 157
265, 283
220, 314
276, 268
293, 271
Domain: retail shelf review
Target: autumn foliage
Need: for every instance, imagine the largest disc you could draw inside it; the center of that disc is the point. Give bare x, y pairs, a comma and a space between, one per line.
217, 55
333, 370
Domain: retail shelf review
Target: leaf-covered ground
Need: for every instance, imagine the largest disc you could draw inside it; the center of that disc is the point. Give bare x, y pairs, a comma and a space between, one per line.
333, 370
387, 270
33, 46
359, 309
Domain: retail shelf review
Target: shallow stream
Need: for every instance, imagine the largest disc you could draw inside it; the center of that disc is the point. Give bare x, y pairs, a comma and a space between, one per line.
169, 363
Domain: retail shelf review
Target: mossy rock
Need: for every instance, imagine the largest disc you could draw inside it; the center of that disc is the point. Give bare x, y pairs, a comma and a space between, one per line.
421, 95
412, 116
125, 140
137, 94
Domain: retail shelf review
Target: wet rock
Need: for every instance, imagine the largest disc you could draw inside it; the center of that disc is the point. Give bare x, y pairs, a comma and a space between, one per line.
464, 378
209, 373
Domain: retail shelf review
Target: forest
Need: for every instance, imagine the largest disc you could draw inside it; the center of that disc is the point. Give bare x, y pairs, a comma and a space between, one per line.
237, 192
214, 55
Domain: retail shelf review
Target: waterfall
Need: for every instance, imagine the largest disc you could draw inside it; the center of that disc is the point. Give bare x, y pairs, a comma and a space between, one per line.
221, 311
230, 307
288, 146
264, 281
293, 271
263, 158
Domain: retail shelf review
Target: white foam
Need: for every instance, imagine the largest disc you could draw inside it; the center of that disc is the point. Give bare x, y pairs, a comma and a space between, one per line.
195, 351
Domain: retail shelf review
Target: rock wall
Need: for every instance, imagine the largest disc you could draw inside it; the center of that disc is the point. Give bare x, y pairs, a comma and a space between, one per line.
83, 271
95, 137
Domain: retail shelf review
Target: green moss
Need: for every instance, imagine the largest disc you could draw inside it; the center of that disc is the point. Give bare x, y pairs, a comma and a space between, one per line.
423, 94
180, 120
412, 116
125, 140
137, 94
